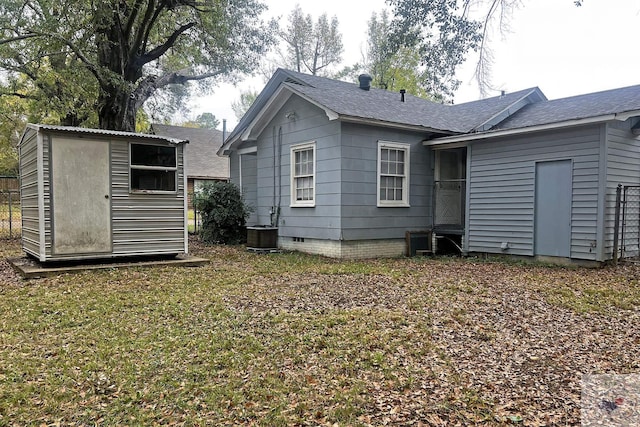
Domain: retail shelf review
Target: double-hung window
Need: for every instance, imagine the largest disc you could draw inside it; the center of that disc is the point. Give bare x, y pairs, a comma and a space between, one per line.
393, 174
153, 168
303, 175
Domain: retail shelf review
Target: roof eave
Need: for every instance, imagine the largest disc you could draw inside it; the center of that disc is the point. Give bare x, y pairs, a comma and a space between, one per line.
270, 108
272, 85
623, 116
393, 125
101, 133
535, 95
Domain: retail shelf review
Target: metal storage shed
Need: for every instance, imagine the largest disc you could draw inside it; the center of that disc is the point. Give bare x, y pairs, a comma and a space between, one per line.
89, 193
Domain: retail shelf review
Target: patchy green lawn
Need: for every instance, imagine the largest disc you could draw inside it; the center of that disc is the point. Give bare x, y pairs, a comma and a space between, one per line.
290, 339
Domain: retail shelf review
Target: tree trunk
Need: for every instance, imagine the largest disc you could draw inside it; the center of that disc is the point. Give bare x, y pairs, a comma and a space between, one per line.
117, 110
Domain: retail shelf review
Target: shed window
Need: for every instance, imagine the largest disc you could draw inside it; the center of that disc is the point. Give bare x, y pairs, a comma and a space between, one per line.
152, 167
303, 190
393, 174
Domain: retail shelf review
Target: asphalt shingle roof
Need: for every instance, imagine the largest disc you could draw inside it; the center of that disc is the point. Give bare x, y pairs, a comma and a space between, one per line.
522, 109
347, 99
596, 104
200, 152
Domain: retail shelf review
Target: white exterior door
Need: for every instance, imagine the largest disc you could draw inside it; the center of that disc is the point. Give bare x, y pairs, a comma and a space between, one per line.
81, 196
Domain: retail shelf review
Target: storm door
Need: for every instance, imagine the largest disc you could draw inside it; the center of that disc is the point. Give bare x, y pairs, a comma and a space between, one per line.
553, 208
80, 187
450, 188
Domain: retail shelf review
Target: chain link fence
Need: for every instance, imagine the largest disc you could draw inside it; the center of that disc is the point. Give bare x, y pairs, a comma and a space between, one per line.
627, 233
194, 218
10, 216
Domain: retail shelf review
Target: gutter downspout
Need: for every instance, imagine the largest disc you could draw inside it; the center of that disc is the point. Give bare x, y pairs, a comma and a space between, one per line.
277, 220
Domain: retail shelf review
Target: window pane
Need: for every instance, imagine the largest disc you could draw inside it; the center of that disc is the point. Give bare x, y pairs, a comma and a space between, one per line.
393, 174
303, 162
153, 180
303, 175
384, 167
153, 155
304, 188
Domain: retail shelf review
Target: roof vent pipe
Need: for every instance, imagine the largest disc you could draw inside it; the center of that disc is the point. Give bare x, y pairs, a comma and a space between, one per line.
365, 81
402, 92
224, 130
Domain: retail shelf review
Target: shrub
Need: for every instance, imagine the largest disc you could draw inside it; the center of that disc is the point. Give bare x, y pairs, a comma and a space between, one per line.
224, 213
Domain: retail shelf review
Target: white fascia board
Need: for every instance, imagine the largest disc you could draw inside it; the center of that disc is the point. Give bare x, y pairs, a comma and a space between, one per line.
514, 107
623, 117
259, 122
248, 150
519, 131
509, 132
266, 113
393, 125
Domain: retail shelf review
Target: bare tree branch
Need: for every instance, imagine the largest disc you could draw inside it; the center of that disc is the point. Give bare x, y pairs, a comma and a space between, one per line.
162, 49
17, 38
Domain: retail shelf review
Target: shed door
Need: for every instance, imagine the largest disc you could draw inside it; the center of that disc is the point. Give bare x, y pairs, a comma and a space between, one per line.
81, 196
553, 208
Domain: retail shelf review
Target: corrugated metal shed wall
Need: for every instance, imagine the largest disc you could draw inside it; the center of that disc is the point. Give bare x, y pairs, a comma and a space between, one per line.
29, 193
502, 190
144, 222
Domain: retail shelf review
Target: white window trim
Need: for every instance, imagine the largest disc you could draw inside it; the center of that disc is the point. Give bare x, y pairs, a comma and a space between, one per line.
302, 203
143, 167
405, 183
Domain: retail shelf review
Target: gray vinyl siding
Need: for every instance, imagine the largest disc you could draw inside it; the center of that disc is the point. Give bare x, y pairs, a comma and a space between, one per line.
502, 190
362, 219
29, 193
249, 182
623, 167
310, 124
345, 178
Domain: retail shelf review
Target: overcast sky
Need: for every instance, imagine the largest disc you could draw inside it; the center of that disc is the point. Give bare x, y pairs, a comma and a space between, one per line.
562, 49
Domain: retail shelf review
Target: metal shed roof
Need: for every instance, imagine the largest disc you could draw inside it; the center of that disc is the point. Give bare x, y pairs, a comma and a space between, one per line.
102, 132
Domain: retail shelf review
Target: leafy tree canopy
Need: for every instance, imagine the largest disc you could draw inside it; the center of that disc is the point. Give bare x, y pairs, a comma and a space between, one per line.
440, 32
204, 120
392, 66
242, 105
82, 57
311, 47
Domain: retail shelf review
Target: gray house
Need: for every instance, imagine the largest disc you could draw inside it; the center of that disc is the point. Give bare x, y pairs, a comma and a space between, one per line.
89, 193
346, 170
